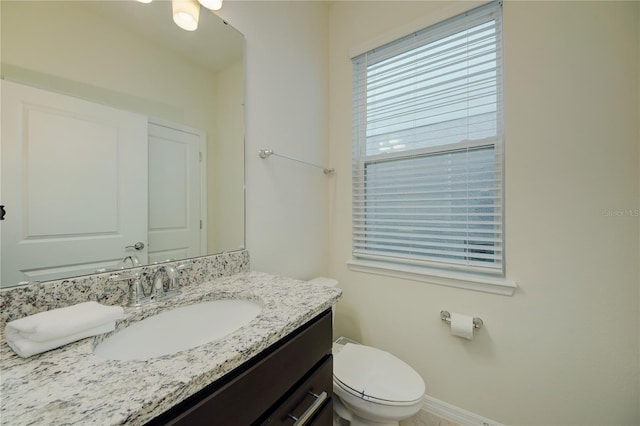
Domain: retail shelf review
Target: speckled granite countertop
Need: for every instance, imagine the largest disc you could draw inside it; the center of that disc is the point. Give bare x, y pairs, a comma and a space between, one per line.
71, 385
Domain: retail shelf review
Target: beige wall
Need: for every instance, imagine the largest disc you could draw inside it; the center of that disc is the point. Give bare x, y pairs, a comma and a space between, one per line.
43, 45
564, 348
286, 110
226, 179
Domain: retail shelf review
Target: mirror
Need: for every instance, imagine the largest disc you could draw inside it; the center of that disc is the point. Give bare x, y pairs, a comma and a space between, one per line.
131, 57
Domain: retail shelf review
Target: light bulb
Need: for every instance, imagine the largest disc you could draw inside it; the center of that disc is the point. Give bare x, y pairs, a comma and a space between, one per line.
145, 1
186, 14
211, 4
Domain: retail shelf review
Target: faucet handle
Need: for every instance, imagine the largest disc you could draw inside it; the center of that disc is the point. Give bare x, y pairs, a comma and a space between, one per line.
173, 273
179, 269
136, 290
172, 286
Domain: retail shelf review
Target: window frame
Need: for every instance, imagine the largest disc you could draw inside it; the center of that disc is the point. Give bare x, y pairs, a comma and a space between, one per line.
435, 272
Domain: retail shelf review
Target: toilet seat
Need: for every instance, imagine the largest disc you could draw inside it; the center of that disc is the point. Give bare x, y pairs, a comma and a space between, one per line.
376, 376
366, 398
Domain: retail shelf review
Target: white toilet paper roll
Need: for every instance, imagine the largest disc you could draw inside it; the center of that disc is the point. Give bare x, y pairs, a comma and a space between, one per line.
462, 325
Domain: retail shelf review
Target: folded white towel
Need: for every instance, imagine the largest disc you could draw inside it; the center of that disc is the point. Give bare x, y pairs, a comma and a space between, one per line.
58, 323
48, 330
26, 348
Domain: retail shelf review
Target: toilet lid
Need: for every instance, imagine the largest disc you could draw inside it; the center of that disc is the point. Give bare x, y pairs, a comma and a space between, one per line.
373, 373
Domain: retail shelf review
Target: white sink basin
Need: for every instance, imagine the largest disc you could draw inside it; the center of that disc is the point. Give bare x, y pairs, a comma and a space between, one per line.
178, 329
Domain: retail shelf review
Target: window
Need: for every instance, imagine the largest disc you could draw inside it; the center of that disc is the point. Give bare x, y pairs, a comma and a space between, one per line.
428, 148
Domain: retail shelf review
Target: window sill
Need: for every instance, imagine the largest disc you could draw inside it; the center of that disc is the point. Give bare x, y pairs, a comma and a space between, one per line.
486, 284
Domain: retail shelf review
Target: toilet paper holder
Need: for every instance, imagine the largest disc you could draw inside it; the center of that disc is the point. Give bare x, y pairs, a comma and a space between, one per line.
446, 317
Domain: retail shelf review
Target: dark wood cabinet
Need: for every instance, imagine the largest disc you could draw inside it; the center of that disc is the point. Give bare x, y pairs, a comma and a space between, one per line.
292, 379
308, 399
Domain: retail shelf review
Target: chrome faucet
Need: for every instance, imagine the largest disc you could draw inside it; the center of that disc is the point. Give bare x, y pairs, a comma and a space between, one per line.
164, 284
158, 287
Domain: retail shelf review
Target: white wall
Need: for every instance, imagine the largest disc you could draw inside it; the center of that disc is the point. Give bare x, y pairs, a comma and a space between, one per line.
564, 348
286, 110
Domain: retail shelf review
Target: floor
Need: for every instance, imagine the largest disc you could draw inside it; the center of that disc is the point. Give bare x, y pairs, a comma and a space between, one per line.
423, 418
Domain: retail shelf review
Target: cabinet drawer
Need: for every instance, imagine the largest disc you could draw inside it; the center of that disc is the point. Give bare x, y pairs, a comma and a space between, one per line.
325, 416
245, 394
314, 394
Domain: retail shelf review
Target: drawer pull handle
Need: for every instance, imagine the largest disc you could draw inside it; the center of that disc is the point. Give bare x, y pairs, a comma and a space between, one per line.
299, 421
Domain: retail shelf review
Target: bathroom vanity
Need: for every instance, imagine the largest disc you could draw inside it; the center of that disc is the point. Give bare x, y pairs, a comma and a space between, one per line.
289, 381
277, 367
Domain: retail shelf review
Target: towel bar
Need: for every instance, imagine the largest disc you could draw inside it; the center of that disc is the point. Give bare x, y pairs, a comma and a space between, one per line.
265, 153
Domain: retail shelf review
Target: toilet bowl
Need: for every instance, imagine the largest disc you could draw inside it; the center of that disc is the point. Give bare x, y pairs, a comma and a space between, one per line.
374, 387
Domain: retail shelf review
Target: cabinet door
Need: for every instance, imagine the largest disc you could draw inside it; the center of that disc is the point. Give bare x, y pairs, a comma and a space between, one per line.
310, 400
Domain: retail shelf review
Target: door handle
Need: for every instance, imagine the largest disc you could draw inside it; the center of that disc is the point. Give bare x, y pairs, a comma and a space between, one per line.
137, 246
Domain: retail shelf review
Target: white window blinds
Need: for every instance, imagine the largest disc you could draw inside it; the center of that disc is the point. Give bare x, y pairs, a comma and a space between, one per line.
428, 147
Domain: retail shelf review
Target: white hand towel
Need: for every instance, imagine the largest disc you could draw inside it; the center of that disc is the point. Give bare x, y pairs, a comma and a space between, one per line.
26, 348
63, 322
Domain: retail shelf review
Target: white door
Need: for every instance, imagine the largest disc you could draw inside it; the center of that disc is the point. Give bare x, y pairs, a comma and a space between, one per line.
176, 189
74, 183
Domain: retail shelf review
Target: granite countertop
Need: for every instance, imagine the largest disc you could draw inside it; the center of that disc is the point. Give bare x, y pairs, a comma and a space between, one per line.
71, 385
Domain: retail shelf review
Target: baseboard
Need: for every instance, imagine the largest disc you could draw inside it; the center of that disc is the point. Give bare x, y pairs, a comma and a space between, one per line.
455, 414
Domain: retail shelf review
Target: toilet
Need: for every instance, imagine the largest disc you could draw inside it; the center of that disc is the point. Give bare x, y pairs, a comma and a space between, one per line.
371, 387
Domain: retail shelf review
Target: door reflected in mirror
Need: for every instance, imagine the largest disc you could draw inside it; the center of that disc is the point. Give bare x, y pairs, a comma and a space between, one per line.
128, 58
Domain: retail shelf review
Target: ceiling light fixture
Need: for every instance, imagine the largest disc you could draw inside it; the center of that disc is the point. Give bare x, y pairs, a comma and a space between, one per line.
186, 14
211, 4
